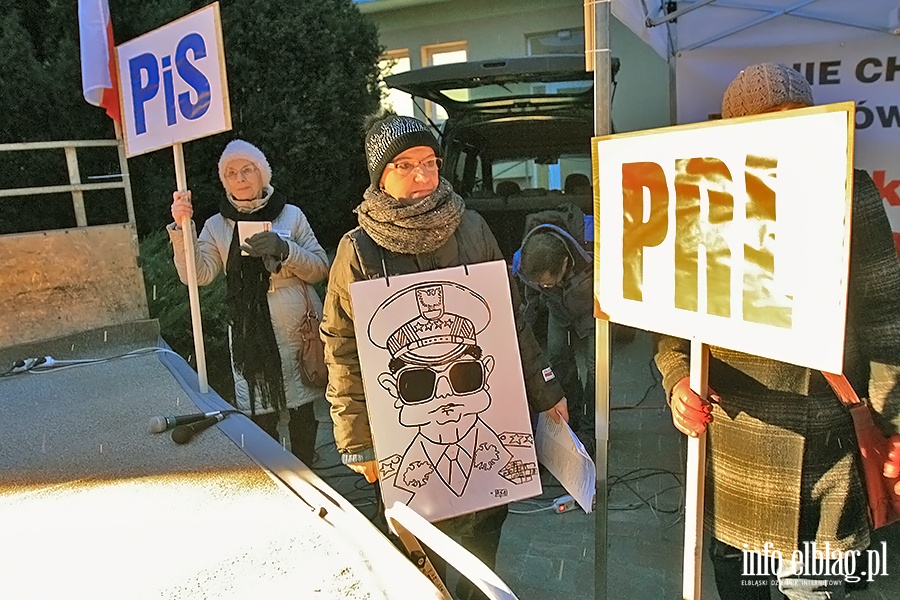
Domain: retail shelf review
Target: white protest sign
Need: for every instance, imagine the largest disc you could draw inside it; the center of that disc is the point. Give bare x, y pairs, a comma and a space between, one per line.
172, 83
865, 71
734, 233
444, 390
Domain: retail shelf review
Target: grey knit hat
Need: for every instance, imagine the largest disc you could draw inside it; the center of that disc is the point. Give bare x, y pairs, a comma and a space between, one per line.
247, 151
761, 87
391, 135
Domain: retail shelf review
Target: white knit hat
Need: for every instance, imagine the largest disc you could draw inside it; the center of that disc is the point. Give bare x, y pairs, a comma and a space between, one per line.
761, 87
247, 151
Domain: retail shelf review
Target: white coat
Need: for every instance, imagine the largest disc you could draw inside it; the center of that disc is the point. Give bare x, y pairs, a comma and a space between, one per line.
306, 264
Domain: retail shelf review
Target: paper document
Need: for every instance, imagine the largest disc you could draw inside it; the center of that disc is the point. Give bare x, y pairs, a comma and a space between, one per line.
248, 229
564, 455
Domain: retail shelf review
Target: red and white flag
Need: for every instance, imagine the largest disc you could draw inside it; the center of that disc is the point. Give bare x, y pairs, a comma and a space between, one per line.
98, 66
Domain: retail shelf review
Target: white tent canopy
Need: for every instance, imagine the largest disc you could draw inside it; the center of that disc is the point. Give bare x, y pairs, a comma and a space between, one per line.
734, 24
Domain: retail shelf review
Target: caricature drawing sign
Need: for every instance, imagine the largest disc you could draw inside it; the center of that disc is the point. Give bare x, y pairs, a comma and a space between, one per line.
444, 390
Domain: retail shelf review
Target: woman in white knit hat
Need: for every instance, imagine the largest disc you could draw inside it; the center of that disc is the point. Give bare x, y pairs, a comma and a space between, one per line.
268, 277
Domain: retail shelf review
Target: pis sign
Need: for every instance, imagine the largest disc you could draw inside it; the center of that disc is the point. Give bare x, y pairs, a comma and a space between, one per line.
172, 83
734, 233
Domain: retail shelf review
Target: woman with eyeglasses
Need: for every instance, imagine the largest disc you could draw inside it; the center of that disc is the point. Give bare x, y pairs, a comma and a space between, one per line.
411, 220
268, 277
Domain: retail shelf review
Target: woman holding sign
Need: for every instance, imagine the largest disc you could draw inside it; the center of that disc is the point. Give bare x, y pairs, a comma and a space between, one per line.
782, 486
410, 221
271, 257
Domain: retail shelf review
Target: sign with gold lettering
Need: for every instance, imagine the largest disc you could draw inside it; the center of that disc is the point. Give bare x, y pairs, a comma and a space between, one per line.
735, 233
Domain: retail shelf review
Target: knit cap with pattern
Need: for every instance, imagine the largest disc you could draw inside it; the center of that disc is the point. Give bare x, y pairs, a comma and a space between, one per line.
761, 87
392, 135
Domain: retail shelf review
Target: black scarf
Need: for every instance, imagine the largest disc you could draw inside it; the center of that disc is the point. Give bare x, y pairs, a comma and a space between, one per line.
253, 347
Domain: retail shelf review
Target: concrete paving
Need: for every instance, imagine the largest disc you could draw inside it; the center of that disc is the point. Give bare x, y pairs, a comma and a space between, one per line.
547, 556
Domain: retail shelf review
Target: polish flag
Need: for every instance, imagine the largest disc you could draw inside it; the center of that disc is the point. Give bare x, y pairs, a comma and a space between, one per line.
98, 65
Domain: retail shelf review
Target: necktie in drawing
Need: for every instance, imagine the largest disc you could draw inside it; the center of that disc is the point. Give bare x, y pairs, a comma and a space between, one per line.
452, 470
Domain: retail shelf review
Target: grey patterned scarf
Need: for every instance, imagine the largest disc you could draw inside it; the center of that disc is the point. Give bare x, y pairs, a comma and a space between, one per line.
423, 226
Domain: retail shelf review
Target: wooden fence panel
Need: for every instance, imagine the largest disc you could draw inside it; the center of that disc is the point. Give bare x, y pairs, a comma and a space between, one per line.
53, 283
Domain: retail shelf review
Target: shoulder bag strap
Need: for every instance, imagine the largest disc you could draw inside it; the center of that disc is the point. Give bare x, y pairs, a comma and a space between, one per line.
842, 388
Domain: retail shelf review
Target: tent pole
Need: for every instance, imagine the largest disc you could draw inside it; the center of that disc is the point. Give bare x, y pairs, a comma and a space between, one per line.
673, 91
601, 65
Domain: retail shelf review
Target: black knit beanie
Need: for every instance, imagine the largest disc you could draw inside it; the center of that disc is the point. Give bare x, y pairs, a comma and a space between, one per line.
392, 135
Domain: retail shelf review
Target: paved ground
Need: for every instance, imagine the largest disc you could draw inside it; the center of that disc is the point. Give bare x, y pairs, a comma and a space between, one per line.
548, 556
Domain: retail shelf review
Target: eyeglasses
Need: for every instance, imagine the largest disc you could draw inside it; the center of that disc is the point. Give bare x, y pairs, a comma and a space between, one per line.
418, 384
406, 167
245, 173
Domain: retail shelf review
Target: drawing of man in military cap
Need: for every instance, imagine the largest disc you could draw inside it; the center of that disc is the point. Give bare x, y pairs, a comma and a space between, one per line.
438, 377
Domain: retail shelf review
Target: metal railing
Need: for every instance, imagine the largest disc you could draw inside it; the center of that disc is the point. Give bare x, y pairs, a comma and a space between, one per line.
76, 187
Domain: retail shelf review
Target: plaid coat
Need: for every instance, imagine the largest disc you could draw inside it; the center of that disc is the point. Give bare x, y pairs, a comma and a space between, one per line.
781, 450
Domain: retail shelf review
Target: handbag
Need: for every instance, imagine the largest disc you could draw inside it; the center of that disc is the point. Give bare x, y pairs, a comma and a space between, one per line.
311, 355
884, 504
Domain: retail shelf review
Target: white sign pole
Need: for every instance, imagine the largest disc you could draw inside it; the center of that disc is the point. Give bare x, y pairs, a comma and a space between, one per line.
695, 471
187, 226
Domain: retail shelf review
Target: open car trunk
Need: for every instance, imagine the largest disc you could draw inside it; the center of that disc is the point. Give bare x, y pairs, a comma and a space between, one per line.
516, 129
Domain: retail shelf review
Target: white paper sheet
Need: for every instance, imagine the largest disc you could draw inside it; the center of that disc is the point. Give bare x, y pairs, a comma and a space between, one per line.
564, 455
248, 229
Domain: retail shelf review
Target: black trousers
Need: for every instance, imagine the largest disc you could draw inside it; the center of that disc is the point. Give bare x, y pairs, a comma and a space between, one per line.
479, 533
730, 582
302, 428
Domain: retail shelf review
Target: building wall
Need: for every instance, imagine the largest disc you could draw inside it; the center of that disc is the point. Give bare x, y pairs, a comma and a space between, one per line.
498, 29
491, 29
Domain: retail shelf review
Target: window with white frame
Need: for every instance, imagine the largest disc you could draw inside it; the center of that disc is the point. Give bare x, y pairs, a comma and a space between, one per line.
396, 61
442, 54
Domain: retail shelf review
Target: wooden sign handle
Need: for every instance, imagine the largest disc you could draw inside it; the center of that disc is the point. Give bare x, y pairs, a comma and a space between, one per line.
695, 472
187, 227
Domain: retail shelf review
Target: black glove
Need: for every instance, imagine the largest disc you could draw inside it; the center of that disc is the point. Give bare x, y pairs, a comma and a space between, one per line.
272, 264
266, 243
